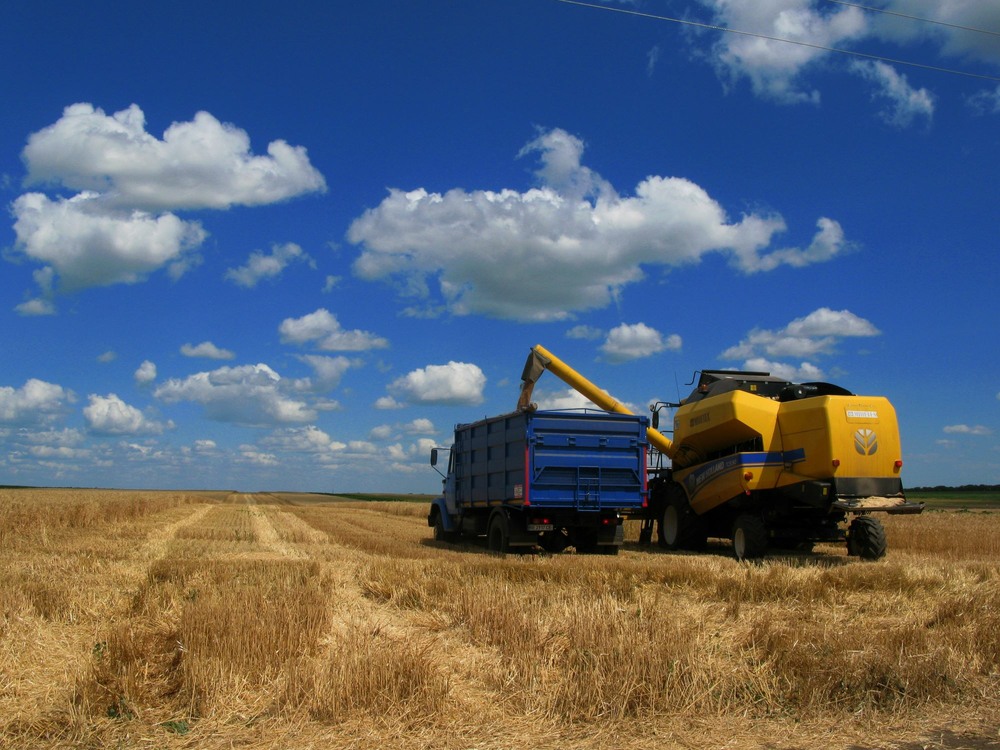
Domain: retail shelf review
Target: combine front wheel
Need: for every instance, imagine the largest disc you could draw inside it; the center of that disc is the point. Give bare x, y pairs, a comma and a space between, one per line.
749, 537
866, 538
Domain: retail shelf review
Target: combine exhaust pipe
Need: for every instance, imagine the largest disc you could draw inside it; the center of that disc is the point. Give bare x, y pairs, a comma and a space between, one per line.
540, 360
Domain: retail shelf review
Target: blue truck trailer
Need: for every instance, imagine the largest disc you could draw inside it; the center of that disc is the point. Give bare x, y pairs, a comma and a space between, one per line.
552, 479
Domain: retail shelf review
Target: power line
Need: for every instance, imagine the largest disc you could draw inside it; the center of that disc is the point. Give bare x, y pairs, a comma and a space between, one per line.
915, 18
728, 30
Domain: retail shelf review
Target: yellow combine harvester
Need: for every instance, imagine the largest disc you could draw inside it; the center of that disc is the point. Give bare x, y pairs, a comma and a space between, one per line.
764, 462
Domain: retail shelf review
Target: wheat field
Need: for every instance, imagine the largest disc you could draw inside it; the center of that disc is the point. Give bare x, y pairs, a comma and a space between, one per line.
222, 620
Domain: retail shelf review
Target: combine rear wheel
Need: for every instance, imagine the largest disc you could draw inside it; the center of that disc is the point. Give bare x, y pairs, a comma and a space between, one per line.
866, 538
749, 537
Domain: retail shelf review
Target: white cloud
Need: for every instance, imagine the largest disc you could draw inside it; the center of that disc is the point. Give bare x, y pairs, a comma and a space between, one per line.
108, 356
248, 454
964, 429
562, 400
815, 334
388, 402
248, 394
34, 402
109, 415
953, 42
456, 383
804, 372
119, 228
324, 330
905, 103
588, 333
207, 350
328, 370
260, 266
88, 245
496, 253
198, 164
308, 439
146, 373
775, 68
986, 101
35, 307
778, 70
628, 342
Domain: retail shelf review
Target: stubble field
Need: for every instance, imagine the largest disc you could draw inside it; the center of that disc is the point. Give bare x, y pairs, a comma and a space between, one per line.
217, 620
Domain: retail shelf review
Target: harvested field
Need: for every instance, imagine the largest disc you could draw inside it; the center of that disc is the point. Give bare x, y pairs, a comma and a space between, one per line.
218, 620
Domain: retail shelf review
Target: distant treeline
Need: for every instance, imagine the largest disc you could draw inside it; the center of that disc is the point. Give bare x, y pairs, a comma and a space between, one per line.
962, 488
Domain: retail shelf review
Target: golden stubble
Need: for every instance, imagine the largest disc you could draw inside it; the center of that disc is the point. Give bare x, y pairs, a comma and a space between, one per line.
215, 620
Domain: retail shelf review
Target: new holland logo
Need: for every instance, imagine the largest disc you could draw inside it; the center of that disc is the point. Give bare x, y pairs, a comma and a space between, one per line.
865, 441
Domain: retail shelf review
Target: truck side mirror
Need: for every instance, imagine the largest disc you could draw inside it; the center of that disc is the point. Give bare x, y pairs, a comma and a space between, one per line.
434, 456
656, 419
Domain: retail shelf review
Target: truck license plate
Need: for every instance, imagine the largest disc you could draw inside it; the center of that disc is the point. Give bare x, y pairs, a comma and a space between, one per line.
540, 527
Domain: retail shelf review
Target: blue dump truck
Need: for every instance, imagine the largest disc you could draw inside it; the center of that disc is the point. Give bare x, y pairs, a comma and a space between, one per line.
552, 479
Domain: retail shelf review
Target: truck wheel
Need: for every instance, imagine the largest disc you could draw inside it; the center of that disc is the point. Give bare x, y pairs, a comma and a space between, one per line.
498, 534
866, 538
440, 535
749, 537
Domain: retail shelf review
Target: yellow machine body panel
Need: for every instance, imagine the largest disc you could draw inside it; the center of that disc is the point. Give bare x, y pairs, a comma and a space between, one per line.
738, 442
851, 436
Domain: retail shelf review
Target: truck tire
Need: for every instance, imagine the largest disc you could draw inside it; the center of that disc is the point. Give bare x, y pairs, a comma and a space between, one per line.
749, 537
498, 534
866, 538
440, 535
679, 527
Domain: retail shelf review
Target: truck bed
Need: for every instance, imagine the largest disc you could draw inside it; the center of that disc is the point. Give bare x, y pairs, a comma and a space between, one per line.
586, 460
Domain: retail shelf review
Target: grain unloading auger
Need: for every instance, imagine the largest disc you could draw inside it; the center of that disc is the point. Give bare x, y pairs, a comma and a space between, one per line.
764, 462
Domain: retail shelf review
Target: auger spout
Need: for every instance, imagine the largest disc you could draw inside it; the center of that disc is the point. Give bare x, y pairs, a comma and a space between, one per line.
540, 360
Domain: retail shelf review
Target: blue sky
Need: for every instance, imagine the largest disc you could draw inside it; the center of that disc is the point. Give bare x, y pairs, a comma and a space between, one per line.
290, 246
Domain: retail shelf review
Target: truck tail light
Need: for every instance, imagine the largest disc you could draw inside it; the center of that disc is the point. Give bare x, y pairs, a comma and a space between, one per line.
836, 463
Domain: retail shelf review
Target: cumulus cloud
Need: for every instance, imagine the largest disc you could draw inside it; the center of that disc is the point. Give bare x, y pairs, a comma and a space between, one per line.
774, 68
109, 415
260, 266
629, 342
803, 372
146, 373
456, 384
815, 334
904, 103
207, 350
87, 245
965, 429
120, 227
253, 395
198, 164
496, 253
322, 329
35, 402
328, 370
308, 439
420, 426
588, 333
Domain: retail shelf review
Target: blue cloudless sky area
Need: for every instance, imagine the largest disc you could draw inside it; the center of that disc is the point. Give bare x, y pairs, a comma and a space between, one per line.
288, 246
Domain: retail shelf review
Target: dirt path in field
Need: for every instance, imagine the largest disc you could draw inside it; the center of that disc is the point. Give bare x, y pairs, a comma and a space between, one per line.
158, 539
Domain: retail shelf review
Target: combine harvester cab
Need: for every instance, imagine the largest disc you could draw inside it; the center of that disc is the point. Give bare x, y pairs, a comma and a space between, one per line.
552, 479
765, 462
